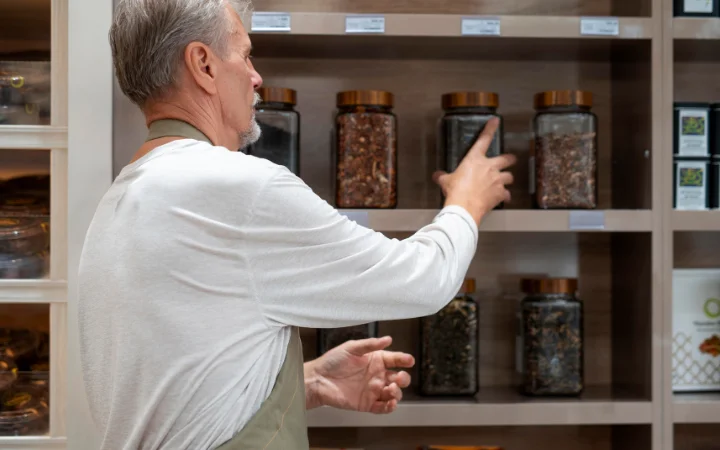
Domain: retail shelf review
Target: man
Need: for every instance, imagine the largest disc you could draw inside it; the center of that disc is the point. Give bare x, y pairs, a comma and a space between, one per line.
201, 262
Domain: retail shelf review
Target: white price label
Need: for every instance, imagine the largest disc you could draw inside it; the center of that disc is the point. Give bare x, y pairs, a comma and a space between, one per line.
365, 24
360, 217
599, 26
587, 220
481, 26
270, 21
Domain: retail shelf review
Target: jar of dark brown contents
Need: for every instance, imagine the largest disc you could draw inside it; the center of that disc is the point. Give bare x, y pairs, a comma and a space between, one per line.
280, 126
565, 153
449, 347
366, 160
551, 326
329, 338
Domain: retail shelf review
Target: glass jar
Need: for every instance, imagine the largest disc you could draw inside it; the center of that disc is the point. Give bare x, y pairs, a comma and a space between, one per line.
565, 151
329, 338
366, 150
280, 125
24, 410
21, 267
22, 236
551, 341
466, 114
449, 347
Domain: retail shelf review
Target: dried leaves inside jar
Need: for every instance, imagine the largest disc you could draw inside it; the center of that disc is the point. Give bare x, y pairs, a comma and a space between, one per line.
566, 171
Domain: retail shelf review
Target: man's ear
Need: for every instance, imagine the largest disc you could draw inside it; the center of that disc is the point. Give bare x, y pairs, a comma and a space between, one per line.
201, 64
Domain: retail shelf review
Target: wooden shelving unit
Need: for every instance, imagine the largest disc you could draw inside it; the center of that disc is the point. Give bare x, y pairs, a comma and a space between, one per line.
37, 30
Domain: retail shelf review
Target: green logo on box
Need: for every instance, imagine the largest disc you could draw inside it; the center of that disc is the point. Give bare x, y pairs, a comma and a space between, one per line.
712, 308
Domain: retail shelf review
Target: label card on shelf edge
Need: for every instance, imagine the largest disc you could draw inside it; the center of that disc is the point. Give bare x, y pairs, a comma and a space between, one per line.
481, 26
599, 26
365, 24
587, 220
270, 21
362, 218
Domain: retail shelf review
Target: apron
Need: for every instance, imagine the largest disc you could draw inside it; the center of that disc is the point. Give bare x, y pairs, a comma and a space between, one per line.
280, 423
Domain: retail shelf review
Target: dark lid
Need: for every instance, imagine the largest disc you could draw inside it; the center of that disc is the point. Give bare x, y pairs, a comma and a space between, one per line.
278, 95
24, 204
20, 228
691, 105
549, 285
563, 98
367, 98
470, 99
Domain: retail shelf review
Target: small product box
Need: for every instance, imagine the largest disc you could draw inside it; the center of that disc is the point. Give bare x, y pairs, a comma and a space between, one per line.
692, 130
691, 184
696, 8
696, 330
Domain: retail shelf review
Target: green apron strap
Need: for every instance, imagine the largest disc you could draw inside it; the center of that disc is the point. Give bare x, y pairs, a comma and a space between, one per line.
280, 423
173, 127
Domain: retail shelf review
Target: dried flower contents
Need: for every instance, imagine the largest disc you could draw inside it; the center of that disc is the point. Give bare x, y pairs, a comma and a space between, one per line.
449, 347
551, 337
565, 151
329, 338
366, 161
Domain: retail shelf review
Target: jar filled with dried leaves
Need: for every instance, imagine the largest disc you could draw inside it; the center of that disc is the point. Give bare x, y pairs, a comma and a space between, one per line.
329, 338
449, 347
466, 114
280, 126
366, 156
551, 337
564, 163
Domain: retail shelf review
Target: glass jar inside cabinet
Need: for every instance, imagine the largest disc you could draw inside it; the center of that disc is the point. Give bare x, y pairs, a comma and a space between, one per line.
329, 338
551, 337
366, 150
449, 347
280, 126
565, 151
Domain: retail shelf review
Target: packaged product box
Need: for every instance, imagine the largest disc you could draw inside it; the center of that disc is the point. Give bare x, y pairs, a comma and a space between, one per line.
696, 330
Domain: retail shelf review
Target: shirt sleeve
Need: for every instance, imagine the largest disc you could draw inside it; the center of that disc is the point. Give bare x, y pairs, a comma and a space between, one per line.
313, 267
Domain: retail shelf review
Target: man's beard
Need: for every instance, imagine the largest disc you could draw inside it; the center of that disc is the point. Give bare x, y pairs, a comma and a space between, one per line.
252, 134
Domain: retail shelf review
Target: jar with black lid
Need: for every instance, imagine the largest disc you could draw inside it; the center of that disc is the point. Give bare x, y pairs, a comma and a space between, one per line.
366, 150
329, 338
449, 347
564, 161
280, 126
551, 337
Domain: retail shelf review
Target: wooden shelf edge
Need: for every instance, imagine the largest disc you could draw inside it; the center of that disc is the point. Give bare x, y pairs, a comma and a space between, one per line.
696, 28
696, 220
33, 291
448, 25
696, 408
32, 442
411, 220
32, 137
418, 414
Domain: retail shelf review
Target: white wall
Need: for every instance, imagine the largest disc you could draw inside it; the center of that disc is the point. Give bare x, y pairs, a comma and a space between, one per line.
89, 175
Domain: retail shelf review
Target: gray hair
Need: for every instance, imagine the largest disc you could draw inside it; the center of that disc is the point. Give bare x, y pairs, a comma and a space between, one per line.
148, 38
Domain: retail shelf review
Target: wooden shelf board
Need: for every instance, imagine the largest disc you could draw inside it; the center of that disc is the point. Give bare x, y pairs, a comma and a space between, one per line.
32, 442
505, 220
696, 28
33, 291
696, 408
32, 137
497, 407
696, 220
448, 25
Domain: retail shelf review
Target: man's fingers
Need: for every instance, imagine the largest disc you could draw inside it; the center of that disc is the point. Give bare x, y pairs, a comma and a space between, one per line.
483, 142
402, 378
503, 161
398, 359
506, 178
391, 392
364, 346
384, 407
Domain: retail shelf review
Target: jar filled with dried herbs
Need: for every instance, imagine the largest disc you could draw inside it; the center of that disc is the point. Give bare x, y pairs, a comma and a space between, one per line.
565, 151
329, 338
280, 126
449, 347
366, 156
466, 114
551, 337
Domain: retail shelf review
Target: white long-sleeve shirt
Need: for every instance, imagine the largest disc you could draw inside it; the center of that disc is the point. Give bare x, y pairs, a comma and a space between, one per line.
196, 264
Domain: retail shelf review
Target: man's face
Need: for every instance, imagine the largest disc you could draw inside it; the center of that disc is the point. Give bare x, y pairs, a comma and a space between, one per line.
237, 82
